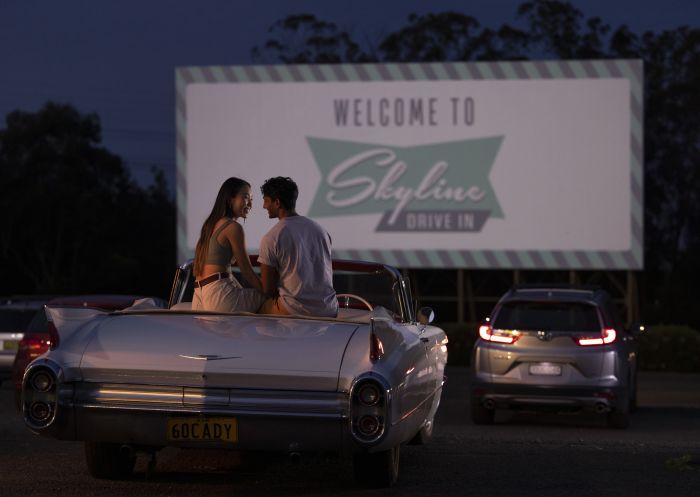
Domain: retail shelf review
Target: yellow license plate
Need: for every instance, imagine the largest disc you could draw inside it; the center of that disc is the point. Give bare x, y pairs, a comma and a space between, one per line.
9, 344
203, 430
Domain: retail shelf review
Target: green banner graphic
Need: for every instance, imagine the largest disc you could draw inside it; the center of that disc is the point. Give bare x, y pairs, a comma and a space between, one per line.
435, 187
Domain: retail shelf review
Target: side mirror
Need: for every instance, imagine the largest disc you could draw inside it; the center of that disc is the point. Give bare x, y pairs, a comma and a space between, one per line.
426, 315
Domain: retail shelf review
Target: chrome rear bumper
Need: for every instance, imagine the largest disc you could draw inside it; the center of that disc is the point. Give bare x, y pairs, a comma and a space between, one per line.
138, 415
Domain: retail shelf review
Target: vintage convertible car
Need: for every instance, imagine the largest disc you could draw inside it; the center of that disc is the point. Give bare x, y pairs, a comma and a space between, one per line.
137, 380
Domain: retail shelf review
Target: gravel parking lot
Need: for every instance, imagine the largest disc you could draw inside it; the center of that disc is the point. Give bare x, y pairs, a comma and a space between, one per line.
523, 454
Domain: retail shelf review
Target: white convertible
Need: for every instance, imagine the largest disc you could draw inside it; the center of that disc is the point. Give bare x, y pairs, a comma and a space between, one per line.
138, 380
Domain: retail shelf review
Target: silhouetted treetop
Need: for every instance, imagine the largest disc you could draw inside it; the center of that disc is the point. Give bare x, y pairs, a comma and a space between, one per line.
304, 39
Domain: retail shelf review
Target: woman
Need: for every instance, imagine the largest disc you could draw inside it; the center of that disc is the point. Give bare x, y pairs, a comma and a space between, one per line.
221, 243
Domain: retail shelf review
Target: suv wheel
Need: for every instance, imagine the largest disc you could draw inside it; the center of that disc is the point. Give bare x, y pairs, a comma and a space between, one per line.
633, 393
481, 415
620, 416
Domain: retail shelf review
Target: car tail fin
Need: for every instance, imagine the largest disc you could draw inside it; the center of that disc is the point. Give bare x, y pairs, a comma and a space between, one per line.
383, 337
63, 321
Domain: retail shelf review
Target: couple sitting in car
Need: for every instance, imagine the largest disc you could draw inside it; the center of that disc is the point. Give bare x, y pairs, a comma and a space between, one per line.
295, 256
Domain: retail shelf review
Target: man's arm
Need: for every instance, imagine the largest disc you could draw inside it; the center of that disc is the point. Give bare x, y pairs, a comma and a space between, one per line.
270, 277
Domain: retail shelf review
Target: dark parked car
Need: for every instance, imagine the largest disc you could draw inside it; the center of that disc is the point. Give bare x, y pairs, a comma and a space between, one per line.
15, 315
36, 338
561, 349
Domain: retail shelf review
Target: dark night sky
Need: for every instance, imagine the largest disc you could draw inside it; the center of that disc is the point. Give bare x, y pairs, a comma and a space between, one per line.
118, 57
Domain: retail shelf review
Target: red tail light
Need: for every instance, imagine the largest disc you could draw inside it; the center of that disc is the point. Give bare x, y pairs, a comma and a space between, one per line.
376, 347
608, 335
30, 347
33, 347
53, 336
499, 336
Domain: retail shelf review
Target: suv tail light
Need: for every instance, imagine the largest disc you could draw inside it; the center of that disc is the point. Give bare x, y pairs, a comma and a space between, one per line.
32, 346
608, 335
486, 332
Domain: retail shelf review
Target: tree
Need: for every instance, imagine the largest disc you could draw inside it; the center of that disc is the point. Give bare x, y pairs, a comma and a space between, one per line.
303, 39
672, 142
450, 36
71, 213
555, 27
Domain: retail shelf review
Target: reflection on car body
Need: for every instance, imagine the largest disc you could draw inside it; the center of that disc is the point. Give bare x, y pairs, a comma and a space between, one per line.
556, 348
360, 384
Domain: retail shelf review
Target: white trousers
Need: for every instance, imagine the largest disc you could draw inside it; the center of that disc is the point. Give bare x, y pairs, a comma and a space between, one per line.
226, 295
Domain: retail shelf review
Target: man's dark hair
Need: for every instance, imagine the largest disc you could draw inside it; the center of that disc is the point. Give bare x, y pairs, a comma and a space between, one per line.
283, 189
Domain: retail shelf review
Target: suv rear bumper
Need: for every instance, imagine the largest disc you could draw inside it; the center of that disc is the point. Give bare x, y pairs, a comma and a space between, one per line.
6, 362
592, 399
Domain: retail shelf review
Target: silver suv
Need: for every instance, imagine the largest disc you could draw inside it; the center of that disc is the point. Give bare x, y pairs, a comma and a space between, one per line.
555, 348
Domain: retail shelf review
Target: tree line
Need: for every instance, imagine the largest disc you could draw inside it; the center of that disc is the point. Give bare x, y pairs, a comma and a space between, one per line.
74, 221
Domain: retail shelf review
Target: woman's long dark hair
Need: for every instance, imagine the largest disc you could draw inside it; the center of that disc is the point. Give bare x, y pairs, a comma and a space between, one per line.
222, 208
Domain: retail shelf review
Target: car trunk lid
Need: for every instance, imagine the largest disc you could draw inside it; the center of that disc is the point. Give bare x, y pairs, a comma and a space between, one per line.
209, 350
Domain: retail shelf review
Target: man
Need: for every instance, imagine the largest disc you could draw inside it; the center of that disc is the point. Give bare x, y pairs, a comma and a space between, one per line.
295, 257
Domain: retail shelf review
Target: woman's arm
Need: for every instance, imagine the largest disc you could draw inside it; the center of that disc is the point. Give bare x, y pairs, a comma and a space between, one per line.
236, 237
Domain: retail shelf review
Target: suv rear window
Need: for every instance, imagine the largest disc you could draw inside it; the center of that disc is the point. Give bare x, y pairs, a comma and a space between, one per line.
547, 316
39, 323
14, 319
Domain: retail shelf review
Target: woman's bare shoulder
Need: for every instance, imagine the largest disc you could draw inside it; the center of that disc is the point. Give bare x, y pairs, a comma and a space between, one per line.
233, 227
225, 221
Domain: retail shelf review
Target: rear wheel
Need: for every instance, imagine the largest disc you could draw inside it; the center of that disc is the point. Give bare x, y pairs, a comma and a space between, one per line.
481, 415
378, 469
108, 461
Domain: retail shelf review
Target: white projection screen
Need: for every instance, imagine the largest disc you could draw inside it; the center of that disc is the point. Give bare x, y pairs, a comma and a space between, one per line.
522, 165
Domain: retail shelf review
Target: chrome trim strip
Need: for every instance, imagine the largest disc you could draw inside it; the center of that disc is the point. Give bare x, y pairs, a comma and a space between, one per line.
215, 411
408, 414
209, 357
215, 400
